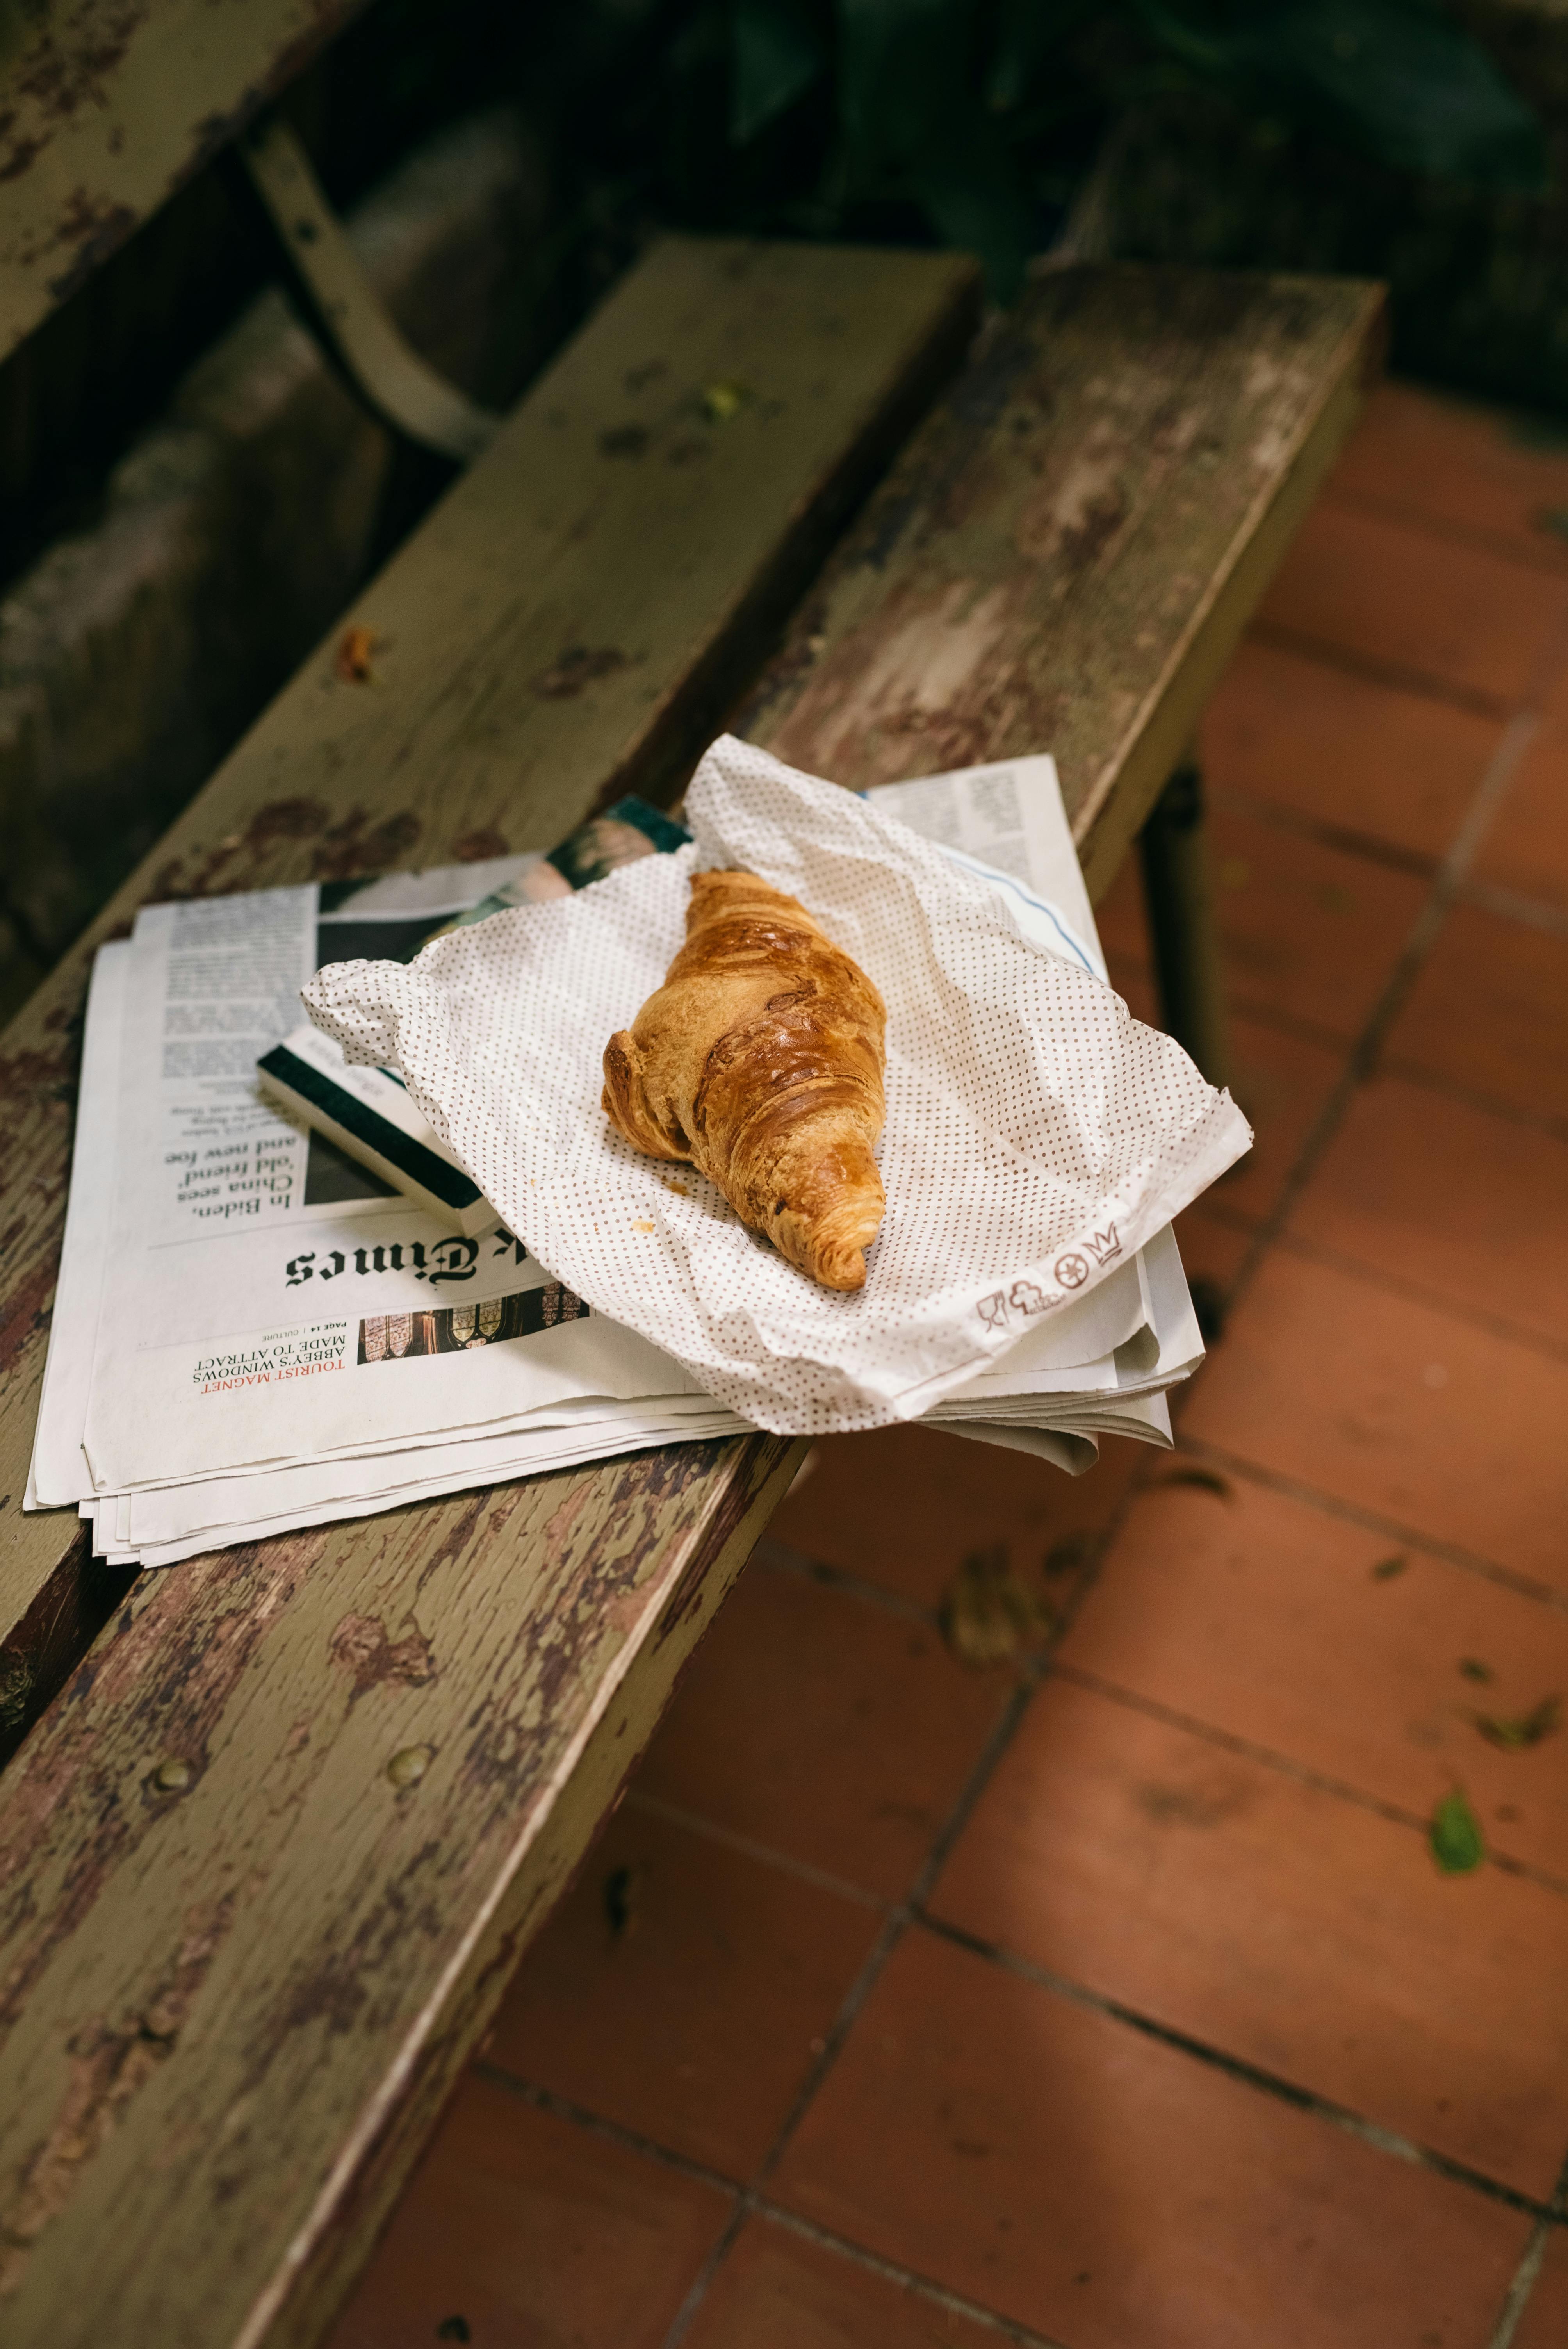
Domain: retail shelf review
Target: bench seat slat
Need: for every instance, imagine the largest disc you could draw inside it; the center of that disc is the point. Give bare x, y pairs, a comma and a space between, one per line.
1067, 551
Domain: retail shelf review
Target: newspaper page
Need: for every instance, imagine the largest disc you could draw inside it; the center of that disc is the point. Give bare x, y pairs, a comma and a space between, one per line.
264, 1300
59, 1474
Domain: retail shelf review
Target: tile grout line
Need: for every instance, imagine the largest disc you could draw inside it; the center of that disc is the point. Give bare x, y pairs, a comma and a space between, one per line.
1522, 2284
1258, 1013
1008, 2326
1545, 560
693, 1823
1284, 1765
896, 1924
1411, 1072
777, 1557
1237, 2067
1284, 815
1293, 1488
1527, 2273
1403, 677
1511, 1333
1363, 1056
545, 2100
1514, 906
1049, 1667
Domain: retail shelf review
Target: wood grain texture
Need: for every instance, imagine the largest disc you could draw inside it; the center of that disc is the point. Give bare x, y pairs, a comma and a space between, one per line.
232, 1997
566, 625
1066, 551
107, 106
234, 1991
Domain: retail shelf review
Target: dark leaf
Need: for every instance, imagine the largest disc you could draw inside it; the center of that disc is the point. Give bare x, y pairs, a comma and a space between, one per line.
1472, 1668
1206, 1480
621, 1888
903, 70
1455, 1837
1067, 1554
1387, 1567
1516, 1732
1403, 82
1393, 77
978, 205
988, 1614
1028, 32
777, 52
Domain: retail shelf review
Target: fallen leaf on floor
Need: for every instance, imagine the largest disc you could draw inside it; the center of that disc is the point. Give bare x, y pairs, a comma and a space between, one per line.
1472, 1668
1516, 1732
1387, 1567
1207, 1480
1067, 1554
355, 649
622, 1886
1454, 1835
988, 1613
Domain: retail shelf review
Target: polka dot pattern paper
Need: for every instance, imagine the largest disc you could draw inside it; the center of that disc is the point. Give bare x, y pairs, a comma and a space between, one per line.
1037, 1133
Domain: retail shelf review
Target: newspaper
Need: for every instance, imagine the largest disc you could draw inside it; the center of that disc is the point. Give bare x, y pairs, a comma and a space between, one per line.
253, 1332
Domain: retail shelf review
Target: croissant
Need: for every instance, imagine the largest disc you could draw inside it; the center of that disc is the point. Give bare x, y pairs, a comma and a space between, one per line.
760, 1059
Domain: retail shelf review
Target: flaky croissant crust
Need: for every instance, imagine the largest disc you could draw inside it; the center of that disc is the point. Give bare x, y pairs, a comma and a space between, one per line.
760, 1060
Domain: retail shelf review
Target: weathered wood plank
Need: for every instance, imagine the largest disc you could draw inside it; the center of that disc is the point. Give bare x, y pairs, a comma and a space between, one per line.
232, 1997
1066, 551
235, 1990
108, 107
566, 625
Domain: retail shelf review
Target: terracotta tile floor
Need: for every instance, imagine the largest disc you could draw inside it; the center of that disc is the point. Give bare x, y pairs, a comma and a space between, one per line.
1113, 1999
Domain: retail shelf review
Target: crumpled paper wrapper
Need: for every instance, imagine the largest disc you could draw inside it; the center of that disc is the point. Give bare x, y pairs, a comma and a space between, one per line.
1037, 1133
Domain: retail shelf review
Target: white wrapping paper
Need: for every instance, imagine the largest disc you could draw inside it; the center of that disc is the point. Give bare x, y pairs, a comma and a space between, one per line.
1037, 1133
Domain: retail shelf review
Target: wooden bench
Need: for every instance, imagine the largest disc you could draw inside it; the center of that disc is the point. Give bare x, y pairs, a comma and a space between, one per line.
230, 2013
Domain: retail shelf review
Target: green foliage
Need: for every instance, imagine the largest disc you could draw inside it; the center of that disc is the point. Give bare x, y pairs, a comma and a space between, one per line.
1393, 77
780, 50
968, 117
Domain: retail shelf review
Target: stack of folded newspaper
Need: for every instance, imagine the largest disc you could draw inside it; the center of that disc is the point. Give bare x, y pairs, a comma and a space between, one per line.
281, 1301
